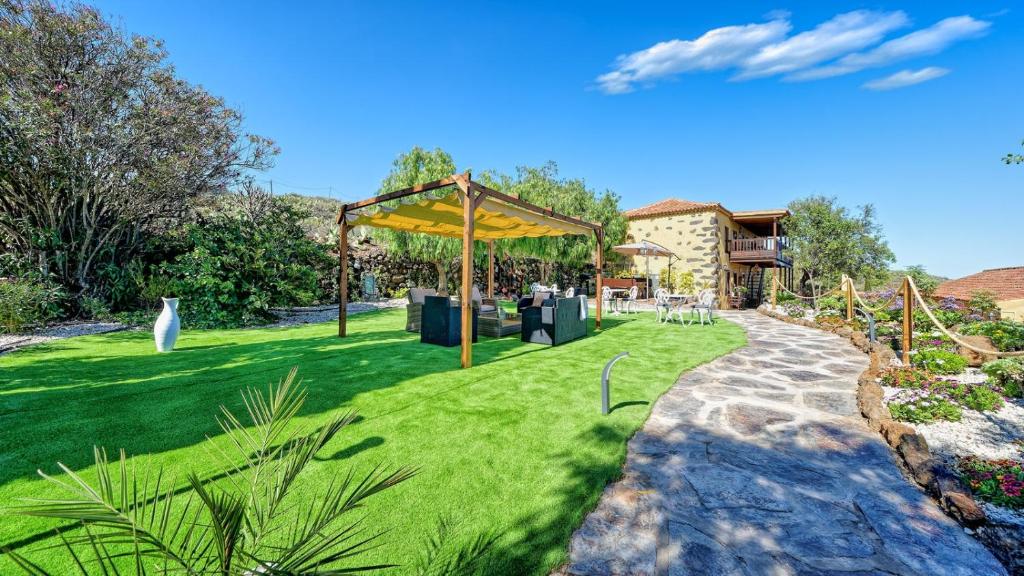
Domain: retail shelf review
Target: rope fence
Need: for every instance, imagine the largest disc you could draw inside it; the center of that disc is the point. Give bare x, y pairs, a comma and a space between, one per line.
910, 294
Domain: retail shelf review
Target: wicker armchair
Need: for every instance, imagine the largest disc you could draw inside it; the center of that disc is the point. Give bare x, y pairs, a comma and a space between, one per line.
554, 322
414, 309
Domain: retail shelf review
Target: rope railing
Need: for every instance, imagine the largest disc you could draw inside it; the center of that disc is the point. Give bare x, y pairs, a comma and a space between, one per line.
910, 294
779, 284
948, 333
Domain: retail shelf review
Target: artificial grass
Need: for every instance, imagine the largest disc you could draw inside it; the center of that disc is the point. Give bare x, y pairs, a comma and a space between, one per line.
515, 445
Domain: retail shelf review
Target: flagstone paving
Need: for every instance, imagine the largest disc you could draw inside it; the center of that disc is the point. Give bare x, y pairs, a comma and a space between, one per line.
758, 463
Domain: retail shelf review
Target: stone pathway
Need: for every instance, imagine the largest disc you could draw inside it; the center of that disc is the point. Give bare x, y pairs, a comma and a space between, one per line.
758, 463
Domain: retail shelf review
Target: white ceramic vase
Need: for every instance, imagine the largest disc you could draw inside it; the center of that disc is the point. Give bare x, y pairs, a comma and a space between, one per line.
165, 331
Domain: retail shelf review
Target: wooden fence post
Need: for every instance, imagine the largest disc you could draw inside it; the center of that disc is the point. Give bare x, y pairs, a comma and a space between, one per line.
849, 297
908, 321
342, 274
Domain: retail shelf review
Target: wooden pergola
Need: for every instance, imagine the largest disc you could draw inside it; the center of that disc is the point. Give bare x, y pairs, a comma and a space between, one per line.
472, 212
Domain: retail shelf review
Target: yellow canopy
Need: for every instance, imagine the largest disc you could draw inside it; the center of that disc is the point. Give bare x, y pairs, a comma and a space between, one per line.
442, 215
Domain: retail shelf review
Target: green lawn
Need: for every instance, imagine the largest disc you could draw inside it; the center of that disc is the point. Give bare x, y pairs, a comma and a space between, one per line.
516, 444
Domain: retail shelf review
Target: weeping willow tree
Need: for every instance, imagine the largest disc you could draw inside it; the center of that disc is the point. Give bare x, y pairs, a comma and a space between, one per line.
416, 167
543, 186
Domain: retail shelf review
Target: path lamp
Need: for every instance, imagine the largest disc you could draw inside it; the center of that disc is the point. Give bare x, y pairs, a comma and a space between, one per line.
605, 376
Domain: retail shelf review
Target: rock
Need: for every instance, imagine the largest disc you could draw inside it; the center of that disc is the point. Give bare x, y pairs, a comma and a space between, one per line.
860, 340
749, 419
844, 331
914, 450
893, 431
976, 359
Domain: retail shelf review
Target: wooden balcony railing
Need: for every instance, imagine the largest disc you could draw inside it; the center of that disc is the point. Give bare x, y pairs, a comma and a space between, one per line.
765, 250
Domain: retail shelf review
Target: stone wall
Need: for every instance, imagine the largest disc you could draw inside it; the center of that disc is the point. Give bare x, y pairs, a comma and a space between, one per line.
394, 272
694, 238
699, 239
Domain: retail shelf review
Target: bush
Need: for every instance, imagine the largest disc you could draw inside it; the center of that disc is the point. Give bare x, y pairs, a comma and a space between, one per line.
25, 303
938, 361
925, 409
832, 303
795, 309
1000, 482
235, 267
982, 399
1006, 336
906, 377
1008, 374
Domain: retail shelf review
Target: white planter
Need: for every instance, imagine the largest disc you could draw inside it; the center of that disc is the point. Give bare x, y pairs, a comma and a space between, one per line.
165, 331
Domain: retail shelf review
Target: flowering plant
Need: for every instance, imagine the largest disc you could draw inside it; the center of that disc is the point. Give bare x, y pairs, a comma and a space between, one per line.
1000, 482
938, 361
906, 377
923, 406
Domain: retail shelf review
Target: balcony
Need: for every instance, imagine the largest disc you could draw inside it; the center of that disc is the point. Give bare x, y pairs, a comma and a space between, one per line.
765, 251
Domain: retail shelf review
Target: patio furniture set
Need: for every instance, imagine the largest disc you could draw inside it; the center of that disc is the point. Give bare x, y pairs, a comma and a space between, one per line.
541, 318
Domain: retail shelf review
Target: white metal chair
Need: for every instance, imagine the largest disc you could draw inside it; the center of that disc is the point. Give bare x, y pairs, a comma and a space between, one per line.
662, 304
631, 301
607, 299
704, 307
570, 292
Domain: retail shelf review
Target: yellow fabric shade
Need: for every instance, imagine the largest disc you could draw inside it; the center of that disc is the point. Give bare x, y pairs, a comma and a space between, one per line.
442, 215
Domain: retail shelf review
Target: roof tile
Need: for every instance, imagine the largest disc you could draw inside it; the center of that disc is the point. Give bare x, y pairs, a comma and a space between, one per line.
1005, 283
669, 206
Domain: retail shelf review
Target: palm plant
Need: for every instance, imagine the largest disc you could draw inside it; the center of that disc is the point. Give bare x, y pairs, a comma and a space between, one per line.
242, 522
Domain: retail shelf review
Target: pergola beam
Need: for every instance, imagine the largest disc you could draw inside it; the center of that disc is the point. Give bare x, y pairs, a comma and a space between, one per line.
400, 194
492, 193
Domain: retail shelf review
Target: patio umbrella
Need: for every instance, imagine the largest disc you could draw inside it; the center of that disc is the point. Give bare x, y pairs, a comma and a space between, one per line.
645, 249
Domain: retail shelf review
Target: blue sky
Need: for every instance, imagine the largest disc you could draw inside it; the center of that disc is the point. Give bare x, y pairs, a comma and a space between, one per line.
908, 106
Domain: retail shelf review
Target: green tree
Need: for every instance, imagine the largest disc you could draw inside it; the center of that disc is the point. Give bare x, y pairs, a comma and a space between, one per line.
925, 282
416, 167
827, 241
101, 144
570, 196
1012, 158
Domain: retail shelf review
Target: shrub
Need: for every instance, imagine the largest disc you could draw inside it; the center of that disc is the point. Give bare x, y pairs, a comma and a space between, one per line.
1008, 374
1006, 336
1000, 482
938, 361
924, 409
237, 266
982, 399
795, 309
906, 377
832, 303
25, 303
983, 302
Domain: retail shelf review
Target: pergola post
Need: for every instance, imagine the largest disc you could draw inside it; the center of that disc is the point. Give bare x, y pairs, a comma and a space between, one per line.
490, 269
468, 221
599, 233
342, 274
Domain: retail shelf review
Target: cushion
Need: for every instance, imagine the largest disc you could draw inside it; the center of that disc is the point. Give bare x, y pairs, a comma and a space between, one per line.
539, 298
487, 308
416, 295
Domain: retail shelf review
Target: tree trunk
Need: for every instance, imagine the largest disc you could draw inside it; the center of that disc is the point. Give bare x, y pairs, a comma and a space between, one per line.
442, 276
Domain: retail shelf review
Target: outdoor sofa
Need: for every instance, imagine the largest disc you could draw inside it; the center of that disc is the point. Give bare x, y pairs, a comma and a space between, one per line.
555, 321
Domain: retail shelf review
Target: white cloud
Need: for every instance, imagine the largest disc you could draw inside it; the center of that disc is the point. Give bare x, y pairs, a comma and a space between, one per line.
841, 45
842, 34
716, 49
905, 78
927, 41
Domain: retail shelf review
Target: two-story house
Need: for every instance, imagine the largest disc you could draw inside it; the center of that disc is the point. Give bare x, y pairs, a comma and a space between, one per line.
723, 249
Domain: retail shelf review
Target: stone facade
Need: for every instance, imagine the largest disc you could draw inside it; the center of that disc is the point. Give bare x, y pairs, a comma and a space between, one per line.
700, 240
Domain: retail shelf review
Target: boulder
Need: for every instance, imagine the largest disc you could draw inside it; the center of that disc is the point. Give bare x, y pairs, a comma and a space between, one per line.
955, 498
914, 450
976, 359
894, 430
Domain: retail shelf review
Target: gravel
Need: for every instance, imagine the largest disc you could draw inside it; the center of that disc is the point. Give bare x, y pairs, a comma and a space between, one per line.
287, 317
10, 342
988, 435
